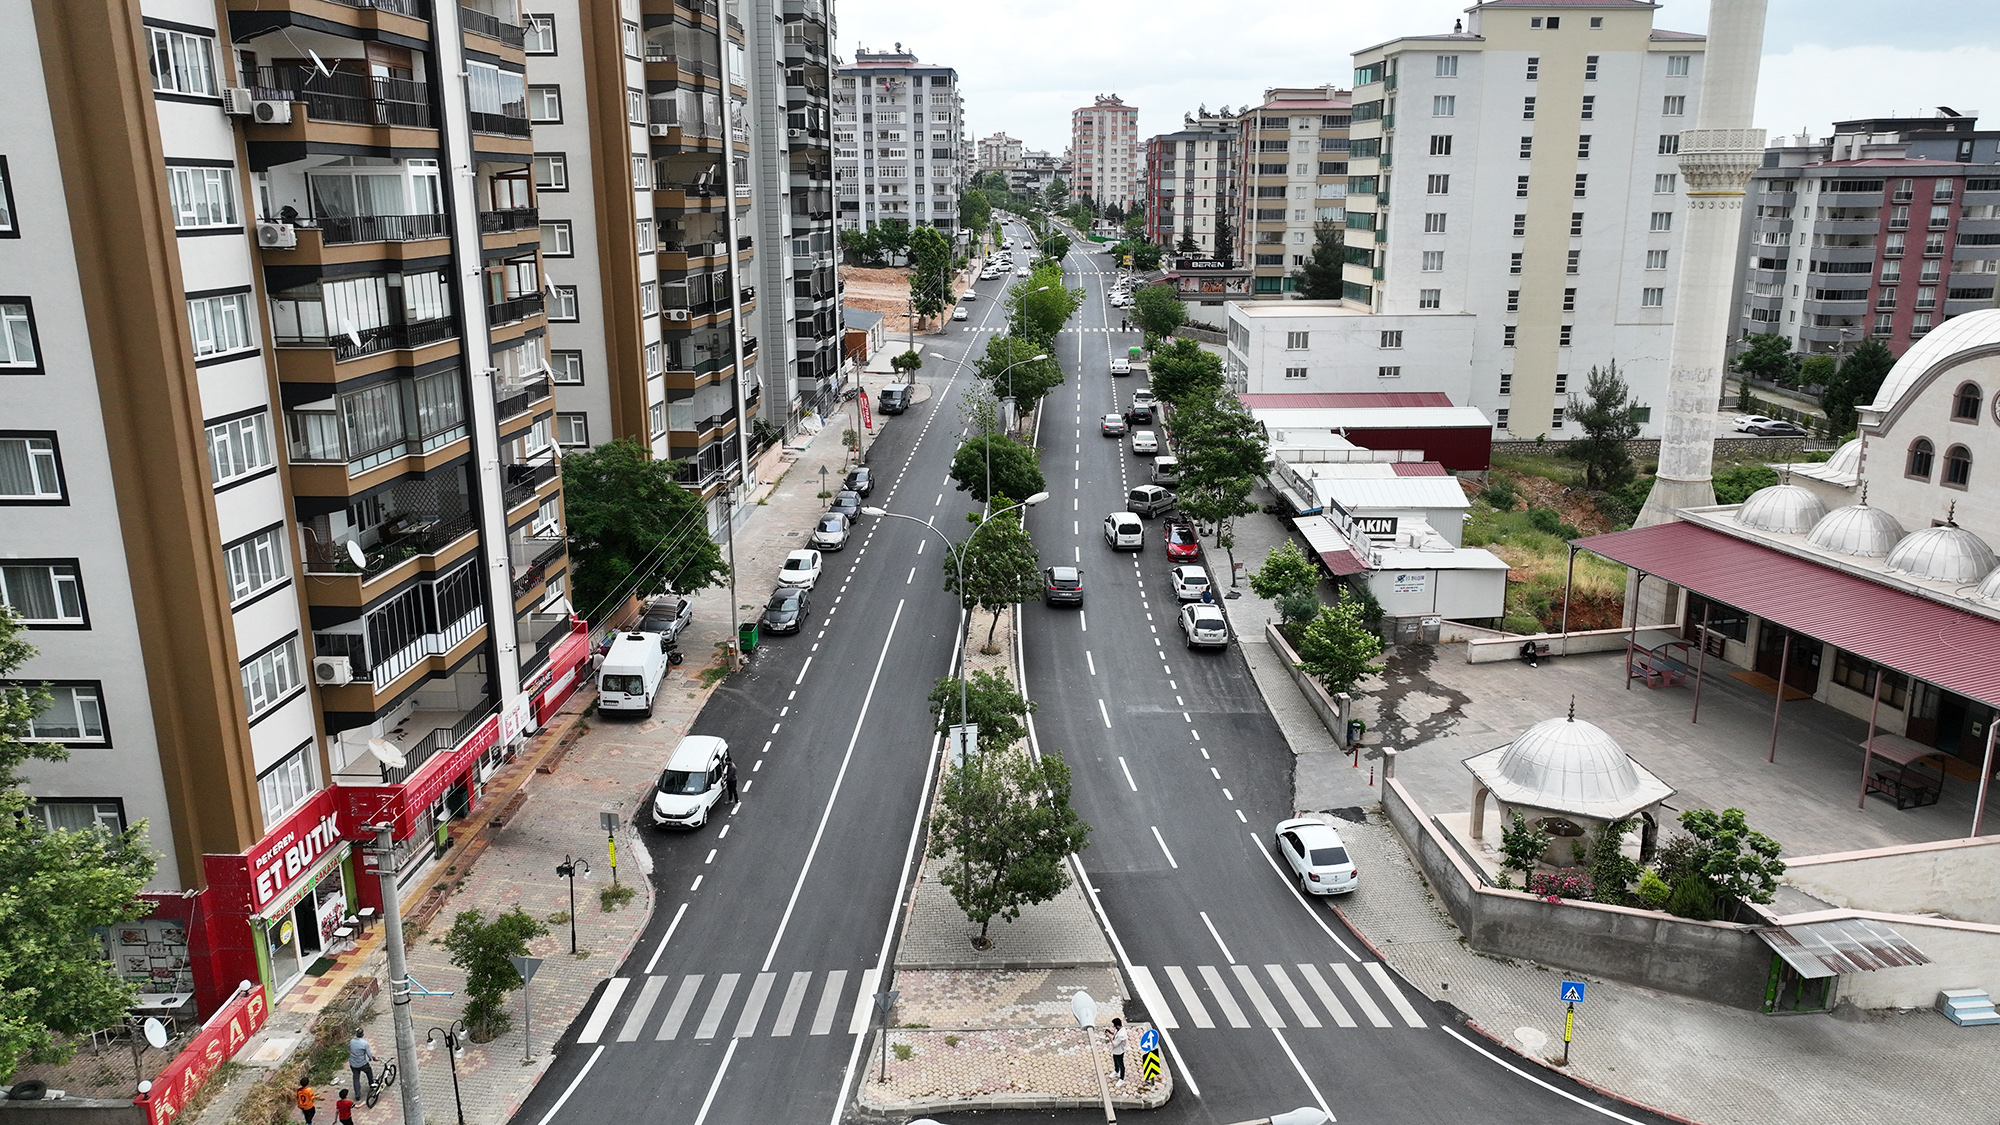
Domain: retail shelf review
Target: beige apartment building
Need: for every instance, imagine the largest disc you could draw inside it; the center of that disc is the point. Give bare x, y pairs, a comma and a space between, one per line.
1292, 171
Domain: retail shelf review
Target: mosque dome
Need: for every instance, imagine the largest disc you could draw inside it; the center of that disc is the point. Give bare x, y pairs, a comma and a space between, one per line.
1856, 530
1567, 765
1946, 553
1786, 508
1989, 590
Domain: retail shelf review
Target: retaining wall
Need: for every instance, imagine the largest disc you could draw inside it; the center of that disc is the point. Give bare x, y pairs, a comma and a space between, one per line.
1501, 647
1323, 704
1648, 449
1955, 878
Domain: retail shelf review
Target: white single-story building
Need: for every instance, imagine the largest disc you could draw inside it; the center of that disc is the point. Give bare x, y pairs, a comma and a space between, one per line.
1322, 346
1415, 573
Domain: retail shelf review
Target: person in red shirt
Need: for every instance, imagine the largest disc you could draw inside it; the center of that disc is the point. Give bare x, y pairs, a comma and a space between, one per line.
343, 1110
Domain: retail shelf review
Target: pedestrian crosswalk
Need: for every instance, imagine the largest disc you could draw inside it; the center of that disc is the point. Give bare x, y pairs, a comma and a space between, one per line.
1202, 995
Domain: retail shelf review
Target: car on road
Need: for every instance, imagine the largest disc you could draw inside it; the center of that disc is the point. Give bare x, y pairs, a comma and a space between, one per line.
1190, 583
1145, 443
1140, 415
894, 398
1744, 422
1778, 429
859, 480
1150, 500
1166, 470
1062, 585
1317, 856
988, 274
691, 783
1121, 302
1114, 425
1121, 367
801, 569
786, 611
1144, 397
830, 533
1183, 545
666, 615
968, 295
1124, 531
958, 313
848, 503
1203, 626
1022, 272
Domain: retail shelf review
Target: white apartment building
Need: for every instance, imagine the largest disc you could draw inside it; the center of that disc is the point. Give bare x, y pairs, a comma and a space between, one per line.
898, 129
1000, 153
1523, 170
1326, 347
1104, 140
1191, 184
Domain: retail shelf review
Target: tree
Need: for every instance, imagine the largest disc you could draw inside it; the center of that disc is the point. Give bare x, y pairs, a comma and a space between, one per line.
57, 887
485, 950
907, 364
1222, 455
1008, 822
1768, 357
1039, 306
1156, 309
974, 211
1521, 847
1146, 256
1336, 648
1855, 383
1814, 371
1225, 240
632, 528
1001, 570
930, 272
1184, 373
1009, 366
1057, 192
1054, 247
1291, 580
1017, 471
893, 236
1187, 244
1608, 419
1731, 858
1134, 226
991, 704
1320, 278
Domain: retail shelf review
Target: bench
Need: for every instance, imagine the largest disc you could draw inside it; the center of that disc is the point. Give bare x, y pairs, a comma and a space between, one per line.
1909, 788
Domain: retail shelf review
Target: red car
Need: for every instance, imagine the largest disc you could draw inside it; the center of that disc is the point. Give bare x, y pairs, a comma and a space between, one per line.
1182, 544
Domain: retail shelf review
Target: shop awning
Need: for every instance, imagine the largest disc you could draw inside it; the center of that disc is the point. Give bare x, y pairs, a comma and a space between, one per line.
1840, 946
1332, 548
1931, 641
1300, 504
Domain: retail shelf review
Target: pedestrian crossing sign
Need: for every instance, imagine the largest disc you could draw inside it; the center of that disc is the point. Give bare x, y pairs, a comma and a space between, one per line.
1572, 991
1149, 1067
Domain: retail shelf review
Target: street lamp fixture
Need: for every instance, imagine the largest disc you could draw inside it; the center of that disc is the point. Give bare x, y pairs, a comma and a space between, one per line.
569, 869
455, 1038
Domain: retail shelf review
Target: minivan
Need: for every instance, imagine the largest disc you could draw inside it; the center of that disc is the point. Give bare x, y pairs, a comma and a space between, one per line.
691, 784
895, 398
1150, 500
1124, 532
631, 673
1166, 470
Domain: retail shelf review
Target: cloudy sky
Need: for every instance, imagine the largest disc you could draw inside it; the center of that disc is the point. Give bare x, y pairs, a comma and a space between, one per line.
1026, 65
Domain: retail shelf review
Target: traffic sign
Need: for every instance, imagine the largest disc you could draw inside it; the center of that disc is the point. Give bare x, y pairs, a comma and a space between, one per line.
1149, 1041
1572, 991
1149, 1067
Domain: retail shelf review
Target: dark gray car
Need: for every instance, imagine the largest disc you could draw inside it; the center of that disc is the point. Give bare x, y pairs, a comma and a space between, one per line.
786, 611
1062, 585
847, 503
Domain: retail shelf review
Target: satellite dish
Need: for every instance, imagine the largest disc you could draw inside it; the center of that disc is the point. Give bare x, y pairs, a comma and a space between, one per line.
319, 64
356, 555
387, 752
156, 1034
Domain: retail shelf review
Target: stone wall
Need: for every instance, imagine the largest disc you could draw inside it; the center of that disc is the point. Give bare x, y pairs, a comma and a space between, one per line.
1646, 450
1323, 704
72, 1111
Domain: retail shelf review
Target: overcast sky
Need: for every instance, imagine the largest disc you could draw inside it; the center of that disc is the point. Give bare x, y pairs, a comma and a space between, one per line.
1026, 65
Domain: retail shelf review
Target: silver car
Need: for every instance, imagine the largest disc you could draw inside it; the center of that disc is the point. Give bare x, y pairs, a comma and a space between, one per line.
830, 534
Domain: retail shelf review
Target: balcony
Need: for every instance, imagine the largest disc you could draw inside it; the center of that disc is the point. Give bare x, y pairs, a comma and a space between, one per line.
367, 341
338, 230
423, 735
532, 559
544, 631
490, 26
415, 9
525, 481
348, 99
412, 536
510, 219
1902, 196
513, 309
500, 124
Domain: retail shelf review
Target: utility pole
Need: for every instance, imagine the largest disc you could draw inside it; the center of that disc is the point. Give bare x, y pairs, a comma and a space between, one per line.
399, 974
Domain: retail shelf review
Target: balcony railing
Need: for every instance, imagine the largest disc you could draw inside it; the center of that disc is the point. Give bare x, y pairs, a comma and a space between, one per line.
517, 401
513, 309
523, 481
441, 740
491, 26
350, 99
368, 341
504, 124
425, 538
415, 9
538, 567
546, 630
338, 230
395, 665
509, 219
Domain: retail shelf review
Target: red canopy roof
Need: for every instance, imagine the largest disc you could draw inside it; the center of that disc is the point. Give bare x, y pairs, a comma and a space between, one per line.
1947, 647
1418, 469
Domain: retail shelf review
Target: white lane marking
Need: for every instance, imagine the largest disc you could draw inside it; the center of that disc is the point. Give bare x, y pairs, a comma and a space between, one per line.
1258, 999
1224, 999
1079, 553
1303, 1076
938, 501
1304, 1013
753, 1006
697, 883
718, 1006
1076, 527
677, 1012
1227, 795
800, 680
1153, 998
1226, 955
1241, 818
1394, 994
864, 1002
1106, 714
831, 797
1087, 660
578, 1081
642, 1008
1362, 1000
711, 856
788, 1009
1128, 774
1163, 847
1215, 773
829, 1002
601, 1015
669, 935
1303, 901
1190, 999
1453, 1032
717, 1084
912, 577
920, 545
1325, 993
1082, 621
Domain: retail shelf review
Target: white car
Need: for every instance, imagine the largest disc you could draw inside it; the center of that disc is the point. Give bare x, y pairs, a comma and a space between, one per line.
1190, 583
1203, 625
1124, 532
958, 313
1143, 397
801, 569
1022, 272
1145, 443
1317, 856
1748, 422
691, 783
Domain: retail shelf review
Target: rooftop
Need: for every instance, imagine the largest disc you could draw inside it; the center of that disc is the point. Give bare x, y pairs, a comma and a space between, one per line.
1354, 493
1343, 398
1371, 418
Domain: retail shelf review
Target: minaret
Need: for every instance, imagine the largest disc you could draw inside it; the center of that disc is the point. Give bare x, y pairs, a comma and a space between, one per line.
1717, 158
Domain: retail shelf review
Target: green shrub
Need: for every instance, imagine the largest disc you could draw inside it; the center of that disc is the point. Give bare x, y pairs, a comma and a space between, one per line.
1653, 891
1733, 486
1500, 496
1550, 522
1691, 898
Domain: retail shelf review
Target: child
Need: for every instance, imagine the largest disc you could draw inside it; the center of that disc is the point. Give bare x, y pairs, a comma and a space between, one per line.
343, 1109
307, 1100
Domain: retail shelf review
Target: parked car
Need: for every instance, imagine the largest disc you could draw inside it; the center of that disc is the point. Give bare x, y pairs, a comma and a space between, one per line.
1190, 583
1166, 470
958, 313
848, 503
859, 480
1140, 415
666, 615
830, 533
801, 569
1121, 366
1143, 397
1150, 500
1062, 585
1022, 272
1202, 625
1778, 429
691, 783
1182, 543
1124, 531
1114, 425
1746, 422
968, 295
894, 398
631, 673
1145, 443
1317, 856
786, 611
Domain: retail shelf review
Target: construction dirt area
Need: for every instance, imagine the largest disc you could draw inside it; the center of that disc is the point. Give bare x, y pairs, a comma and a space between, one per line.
887, 291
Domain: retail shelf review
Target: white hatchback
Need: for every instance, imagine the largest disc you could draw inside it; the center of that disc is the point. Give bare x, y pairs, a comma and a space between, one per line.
1190, 583
1204, 626
801, 569
1317, 856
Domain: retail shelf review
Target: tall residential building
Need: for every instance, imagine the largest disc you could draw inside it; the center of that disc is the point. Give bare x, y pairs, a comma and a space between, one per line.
1037, 171
1292, 167
284, 514
1886, 229
1104, 142
999, 153
1191, 185
898, 129
1524, 170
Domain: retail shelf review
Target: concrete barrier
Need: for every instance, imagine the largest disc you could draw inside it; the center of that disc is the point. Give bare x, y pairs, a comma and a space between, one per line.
1501, 647
1323, 704
1955, 878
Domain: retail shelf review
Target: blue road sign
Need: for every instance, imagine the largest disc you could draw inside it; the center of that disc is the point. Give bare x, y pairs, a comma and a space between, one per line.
1149, 1040
1572, 991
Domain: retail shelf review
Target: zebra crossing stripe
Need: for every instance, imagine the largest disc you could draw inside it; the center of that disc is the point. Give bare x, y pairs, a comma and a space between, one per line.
1150, 995
1190, 999
718, 1006
753, 1008
1224, 999
1326, 997
601, 1015
829, 1002
677, 1011
1284, 984
1366, 1002
636, 1021
1394, 994
788, 1009
1258, 1000
864, 1003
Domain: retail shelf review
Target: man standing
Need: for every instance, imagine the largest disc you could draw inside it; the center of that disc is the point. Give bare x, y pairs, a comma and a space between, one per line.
360, 1056
729, 782
1119, 1038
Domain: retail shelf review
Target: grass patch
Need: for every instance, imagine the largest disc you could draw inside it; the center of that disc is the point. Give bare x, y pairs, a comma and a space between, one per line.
559, 918
1548, 466
1534, 543
611, 898
712, 674
903, 1051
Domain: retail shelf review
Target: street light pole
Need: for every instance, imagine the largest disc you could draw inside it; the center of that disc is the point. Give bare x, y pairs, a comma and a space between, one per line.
452, 1035
570, 869
1008, 371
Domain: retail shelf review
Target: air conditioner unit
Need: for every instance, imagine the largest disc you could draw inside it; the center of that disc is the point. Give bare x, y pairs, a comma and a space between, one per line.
237, 102
270, 111
277, 236
659, 130
677, 314
333, 671
796, 134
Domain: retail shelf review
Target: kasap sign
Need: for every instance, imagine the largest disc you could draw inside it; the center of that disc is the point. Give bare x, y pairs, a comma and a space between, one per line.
219, 1039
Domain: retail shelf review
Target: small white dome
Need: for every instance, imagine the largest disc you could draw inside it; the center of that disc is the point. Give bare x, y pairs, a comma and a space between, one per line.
1786, 508
1846, 460
1856, 530
1989, 590
1569, 762
1943, 554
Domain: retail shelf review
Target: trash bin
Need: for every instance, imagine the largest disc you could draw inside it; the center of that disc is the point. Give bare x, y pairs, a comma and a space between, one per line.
1354, 729
746, 636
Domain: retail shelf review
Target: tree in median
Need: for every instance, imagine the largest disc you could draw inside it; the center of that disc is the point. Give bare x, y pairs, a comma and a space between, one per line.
1039, 306
1337, 647
1291, 580
930, 272
627, 512
991, 704
999, 563
1608, 418
485, 950
1009, 367
1320, 278
57, 887
1185, 373
1156, 309
1016, 469
1006, 820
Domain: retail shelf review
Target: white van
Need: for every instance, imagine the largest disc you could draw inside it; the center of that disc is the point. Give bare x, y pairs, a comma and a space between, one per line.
1166, 470
1124, 532
631, 673
691, 783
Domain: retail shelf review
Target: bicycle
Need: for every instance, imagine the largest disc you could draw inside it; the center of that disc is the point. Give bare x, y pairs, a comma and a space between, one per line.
376, 1086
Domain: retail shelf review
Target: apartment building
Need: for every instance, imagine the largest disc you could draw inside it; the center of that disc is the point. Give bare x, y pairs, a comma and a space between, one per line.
1104, 143
1038, 169
1292, 165
1882, 231
898, 139
1524, 169
1191, 186
284, 514
1000, 153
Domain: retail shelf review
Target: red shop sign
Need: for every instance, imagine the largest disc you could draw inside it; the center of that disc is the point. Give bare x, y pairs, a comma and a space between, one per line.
291, 848
220, 1038
437, 774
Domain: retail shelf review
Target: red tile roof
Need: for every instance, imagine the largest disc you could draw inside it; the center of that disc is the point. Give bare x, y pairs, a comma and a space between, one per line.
1929, 640
1349, 398
1418, 469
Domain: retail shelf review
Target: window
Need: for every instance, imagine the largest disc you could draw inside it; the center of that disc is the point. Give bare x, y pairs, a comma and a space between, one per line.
1662, 221
1433, 261
1514, 262
1297, 341
1590, 68
1500, 418
239, 447
1520, 225
1583, 147
1576, 224
539, 34
649, 298
1513, 300
1295, 372
202, 197
1556, 418
1527, 148
1437, 185
1677, 66
1506, 382
1918, 463
631, 39
1670, 143
545, 104
183, 63
1563, 341
220, 324
1589, 110
1428, 298
271, 676
76, 814
556, 241
1675, 106
1392, 338
1447, 66
1965, 404
1534, 68
1569, 300
7, 227
1507, 336
1444, 105
1653, 298
1858, 675
566, 368
572, 429
1388, 373
1528, 108
1571, 266
1656, 259
30, 470
1663, 183
286, 785
1520, 187
635, 106
642, 171
1441, 144
1434, 222
1582, 189
18, 348
254, 563
75, 714
1562, 380
43, 594
644, 237
1957, 467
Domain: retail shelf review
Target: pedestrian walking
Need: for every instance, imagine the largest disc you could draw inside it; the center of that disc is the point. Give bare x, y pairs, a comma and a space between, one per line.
729, 783
1208, 595
1119, 1038
360, 1057
307, 1100
343, 1110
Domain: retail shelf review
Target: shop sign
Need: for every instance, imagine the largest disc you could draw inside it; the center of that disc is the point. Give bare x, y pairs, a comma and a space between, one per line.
1413, 583
438, 773
219, 1039
1375, 525
292, 848
517, 716
1202, 264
